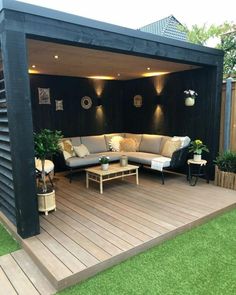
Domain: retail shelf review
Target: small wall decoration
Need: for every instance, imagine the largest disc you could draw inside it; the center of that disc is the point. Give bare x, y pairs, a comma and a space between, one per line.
44, 96
138, 101
59, 105
86, 102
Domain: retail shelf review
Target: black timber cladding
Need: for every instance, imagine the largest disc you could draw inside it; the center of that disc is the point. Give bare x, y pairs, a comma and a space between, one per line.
20, 135
7, 197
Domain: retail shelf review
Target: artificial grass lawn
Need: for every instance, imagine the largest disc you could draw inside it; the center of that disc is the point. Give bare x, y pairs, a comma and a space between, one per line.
201, 261
7, 243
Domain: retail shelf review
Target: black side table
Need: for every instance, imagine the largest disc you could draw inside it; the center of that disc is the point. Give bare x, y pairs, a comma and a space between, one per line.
195, 170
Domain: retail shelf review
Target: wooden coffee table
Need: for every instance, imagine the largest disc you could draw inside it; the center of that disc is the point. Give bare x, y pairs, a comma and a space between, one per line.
114, 171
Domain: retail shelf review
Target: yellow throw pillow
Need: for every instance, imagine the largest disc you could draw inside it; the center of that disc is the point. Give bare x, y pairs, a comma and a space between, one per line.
81, 151
67, 149
170, 147
128, 145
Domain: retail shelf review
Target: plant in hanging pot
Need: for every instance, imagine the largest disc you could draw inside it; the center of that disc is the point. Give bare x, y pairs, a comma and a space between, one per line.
197, 147
104, 161
190, 96
46, 144
225, 172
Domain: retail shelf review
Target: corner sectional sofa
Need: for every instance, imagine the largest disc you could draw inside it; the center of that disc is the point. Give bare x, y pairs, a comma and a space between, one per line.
149, 147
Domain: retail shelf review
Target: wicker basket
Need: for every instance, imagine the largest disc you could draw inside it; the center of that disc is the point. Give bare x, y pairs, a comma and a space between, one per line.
46, 202
225, 179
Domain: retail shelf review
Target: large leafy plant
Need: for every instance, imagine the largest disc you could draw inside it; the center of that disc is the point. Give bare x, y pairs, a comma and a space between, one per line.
46, 144
226, 161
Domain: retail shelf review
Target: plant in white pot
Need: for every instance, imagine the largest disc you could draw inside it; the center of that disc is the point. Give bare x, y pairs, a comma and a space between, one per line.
190, 96
197, 147
46, 144
104, 160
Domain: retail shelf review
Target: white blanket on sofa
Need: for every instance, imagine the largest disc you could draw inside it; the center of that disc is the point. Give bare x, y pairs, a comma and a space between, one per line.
160, 163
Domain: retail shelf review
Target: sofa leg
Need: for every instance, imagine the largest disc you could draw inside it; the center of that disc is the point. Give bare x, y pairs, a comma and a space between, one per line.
163, 177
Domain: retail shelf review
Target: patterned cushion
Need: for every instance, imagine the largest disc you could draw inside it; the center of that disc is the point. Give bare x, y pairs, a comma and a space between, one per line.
67, 148
81, 151
115, 143
109, 136
170, 147
137, 137
128, 145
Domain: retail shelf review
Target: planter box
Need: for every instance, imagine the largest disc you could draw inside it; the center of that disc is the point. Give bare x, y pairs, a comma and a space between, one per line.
46, 202
225, 179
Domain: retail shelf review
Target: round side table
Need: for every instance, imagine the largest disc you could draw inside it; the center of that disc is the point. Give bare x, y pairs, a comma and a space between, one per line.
195, 170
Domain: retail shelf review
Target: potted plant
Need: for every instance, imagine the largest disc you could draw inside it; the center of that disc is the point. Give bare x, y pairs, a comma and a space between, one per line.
197, 147
46, 144
104, 160
190, 96
225, 172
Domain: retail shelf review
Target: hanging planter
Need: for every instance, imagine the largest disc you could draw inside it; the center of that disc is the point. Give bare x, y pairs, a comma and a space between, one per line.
190, 101
190, 96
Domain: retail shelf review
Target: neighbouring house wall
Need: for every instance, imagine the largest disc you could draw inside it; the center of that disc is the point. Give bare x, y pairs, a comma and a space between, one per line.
74, 120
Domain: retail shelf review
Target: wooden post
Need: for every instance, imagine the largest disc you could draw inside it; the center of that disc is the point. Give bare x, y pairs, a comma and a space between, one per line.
227, 117
19, 114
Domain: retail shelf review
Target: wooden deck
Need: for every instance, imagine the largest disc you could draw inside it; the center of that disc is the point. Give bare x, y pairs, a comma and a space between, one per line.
90, 232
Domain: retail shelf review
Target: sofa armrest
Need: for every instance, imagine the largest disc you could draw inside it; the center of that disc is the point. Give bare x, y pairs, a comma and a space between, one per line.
179, 157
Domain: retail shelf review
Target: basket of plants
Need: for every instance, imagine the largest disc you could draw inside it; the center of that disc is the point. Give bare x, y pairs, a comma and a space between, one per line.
225, 172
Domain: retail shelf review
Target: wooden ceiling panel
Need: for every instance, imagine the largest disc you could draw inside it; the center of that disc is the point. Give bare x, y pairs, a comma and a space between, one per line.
84, 62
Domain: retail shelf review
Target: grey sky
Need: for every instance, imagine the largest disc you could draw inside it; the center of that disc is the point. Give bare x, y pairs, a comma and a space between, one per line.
135, 14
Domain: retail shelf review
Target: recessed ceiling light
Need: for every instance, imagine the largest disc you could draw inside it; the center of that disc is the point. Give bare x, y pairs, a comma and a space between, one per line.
102, 77
30, 71
148, 68
34, 66
152, 74
56, 56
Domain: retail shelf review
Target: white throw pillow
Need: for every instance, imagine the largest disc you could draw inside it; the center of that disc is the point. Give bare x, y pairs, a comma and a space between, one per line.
185, 140
81, 151
115, 143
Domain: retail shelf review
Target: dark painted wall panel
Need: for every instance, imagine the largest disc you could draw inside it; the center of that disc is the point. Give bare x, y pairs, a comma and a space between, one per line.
75, 120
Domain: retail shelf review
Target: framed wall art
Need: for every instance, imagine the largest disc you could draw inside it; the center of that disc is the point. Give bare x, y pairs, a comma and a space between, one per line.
44, 95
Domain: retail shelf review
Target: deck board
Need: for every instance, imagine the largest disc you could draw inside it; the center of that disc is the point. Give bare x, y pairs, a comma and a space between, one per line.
90, 232
36, 277
5, 285
17, 277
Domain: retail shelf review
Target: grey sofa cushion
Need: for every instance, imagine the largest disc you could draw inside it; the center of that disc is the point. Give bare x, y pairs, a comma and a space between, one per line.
114, 156
164, 139
75, 141
141, 158
137, 137
109, 136
92, 159
151, 143
95, 144
79, 162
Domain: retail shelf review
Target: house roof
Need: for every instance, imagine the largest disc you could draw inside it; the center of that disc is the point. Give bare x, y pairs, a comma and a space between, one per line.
168, 27
66, 18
